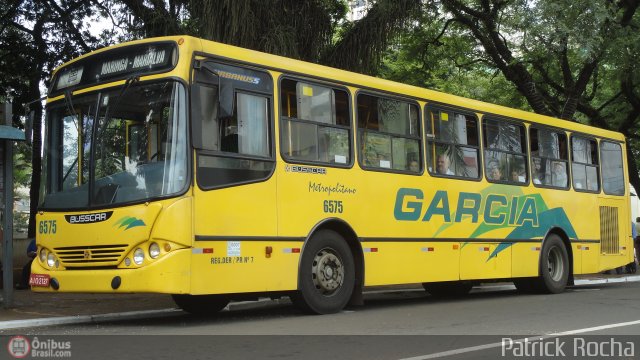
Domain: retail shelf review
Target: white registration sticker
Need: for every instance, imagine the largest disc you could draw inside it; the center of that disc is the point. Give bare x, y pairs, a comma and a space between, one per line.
233, 248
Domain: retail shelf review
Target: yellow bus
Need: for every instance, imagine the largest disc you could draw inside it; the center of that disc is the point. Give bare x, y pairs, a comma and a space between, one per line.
210, 172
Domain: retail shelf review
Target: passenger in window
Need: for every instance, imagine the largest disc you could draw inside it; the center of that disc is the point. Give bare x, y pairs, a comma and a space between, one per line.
414, 166
537, 171
559, 175
442, 165
516, 177
494, 174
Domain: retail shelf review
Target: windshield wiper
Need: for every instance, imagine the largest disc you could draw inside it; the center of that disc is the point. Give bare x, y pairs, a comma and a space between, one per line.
70, 168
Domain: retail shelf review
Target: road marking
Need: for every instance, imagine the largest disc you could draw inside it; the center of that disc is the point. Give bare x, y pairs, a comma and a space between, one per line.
531, 338
596, 328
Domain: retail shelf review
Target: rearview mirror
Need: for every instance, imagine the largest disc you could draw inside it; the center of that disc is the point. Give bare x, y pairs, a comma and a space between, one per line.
225, 89
225, 99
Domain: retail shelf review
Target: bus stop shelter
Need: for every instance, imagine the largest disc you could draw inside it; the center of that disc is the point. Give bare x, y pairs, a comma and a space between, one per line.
8, 135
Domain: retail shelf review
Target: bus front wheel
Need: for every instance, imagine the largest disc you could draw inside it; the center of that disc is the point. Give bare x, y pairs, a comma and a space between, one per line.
200, 304
554, 266
327, 274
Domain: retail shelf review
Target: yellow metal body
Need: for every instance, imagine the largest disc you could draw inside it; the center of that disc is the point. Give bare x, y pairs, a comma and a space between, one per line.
249, 238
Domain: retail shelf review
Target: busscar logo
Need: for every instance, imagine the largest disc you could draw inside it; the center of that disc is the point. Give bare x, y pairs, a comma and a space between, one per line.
88, 218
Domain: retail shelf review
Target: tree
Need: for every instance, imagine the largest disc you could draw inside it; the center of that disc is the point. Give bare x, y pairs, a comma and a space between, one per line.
312, 30
572, 60
37, 36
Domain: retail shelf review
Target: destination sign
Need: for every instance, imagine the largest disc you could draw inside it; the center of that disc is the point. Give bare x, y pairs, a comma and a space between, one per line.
117, 64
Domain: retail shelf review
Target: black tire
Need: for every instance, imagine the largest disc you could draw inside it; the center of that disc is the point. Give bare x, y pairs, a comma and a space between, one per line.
326, 275
206, 305
554, 266
448, 289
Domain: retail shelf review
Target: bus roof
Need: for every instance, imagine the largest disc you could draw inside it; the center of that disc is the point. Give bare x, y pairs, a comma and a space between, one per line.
298, 67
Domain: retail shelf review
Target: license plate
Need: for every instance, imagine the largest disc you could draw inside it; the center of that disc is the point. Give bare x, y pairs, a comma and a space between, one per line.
39, 280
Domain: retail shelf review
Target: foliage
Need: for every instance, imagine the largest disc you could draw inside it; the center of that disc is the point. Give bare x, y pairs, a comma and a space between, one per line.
35, 37
568, 59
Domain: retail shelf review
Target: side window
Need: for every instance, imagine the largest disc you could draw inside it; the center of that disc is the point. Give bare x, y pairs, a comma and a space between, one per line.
584, 164
315, 123
549, 160
452, 147
245, 132
612, 169
389, 134
232, 125
505, 152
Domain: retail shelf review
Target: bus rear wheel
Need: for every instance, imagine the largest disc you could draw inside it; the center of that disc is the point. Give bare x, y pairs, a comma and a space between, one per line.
448, 289
206, 305
554, 266
326, 276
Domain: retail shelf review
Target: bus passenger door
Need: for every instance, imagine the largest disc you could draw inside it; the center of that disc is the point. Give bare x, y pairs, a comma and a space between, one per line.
235, 192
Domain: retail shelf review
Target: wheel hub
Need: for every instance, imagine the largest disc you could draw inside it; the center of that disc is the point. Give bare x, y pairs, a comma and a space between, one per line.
327, 272
555, 264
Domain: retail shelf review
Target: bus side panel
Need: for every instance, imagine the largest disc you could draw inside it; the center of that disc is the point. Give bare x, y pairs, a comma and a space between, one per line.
485, 261
244, 266
525, 256
410, 262
577, 258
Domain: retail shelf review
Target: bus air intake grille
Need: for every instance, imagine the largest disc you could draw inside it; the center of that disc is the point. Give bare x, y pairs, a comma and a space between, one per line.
609, 234
97, 255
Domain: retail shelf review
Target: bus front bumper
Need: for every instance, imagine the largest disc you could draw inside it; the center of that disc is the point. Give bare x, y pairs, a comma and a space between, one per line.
168, 275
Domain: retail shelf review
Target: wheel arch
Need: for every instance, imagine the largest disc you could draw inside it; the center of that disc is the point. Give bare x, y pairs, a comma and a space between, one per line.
351, 238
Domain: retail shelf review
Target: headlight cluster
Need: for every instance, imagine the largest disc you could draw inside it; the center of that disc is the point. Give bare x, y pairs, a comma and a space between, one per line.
150, 251
48, 258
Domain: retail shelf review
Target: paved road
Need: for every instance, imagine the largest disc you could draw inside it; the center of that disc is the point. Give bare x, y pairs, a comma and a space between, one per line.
490, 315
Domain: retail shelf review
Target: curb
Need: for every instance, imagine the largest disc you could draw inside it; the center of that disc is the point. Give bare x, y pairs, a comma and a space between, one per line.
623, 279
86, 319
242, 305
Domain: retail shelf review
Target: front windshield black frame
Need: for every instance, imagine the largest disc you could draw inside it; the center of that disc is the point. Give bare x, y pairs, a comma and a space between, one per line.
97, 95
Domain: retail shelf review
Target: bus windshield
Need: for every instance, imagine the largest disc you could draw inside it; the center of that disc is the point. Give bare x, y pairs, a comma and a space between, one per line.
116, 146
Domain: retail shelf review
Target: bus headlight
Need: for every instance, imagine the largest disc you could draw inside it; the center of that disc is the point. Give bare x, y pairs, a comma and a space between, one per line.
51, 260
138, 256
43, 255
154, 250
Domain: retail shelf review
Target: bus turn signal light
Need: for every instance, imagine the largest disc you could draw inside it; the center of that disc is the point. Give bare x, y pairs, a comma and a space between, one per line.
267, 251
